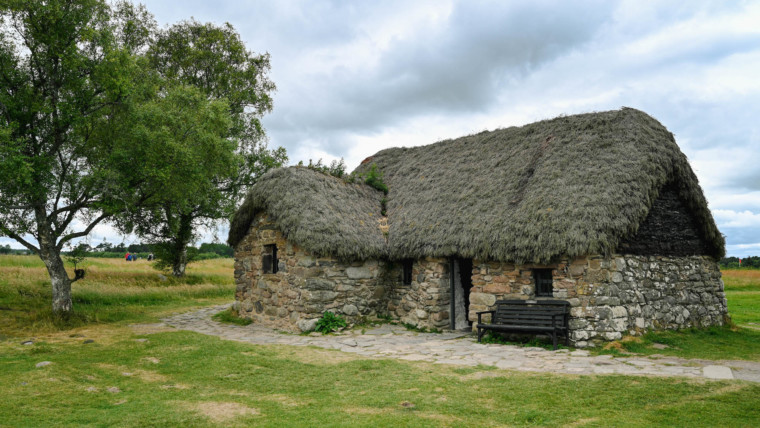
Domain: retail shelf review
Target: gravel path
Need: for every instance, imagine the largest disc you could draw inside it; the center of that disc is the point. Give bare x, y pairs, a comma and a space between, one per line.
390, 341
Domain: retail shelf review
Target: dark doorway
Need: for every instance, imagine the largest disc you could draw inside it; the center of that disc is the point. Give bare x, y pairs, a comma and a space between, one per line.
461, 287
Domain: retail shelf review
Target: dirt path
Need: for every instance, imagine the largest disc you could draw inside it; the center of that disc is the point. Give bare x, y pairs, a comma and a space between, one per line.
389, 341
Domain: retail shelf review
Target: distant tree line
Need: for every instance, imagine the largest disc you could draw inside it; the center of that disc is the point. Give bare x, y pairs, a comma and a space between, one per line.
749, 262
108, 250
6, 249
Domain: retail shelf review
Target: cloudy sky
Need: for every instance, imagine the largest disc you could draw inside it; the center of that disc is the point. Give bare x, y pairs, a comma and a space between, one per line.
355, 77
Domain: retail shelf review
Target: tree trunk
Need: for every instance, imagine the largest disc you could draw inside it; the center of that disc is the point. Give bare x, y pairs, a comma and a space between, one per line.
180, 262
51, 256
184, 234
59, 279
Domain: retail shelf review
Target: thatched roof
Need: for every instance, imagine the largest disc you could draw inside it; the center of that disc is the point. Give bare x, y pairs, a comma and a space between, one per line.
568, 186
321, 213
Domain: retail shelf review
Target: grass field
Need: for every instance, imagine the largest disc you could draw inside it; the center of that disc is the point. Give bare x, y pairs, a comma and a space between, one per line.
103, 372
113, 291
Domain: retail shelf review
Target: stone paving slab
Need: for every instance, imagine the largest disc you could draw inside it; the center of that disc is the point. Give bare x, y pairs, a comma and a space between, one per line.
460, 348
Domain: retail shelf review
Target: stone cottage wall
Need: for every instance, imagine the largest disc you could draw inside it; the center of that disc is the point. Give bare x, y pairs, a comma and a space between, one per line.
305, 286
424, 303
624, 294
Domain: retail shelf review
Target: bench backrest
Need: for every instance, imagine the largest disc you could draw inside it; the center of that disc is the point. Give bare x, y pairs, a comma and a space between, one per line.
535, 312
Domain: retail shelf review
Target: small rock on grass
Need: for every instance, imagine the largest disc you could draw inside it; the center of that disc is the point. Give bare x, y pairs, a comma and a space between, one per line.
660, 346
43, 364
28, 342
89, 341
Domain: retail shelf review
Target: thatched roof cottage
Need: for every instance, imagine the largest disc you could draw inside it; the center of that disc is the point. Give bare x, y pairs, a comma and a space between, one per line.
600, 209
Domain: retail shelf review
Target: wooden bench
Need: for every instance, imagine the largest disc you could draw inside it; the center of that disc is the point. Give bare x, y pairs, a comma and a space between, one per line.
528, 316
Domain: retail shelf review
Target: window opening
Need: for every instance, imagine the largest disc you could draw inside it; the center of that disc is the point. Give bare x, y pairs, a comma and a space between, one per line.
544, 287
407, 268
269, 259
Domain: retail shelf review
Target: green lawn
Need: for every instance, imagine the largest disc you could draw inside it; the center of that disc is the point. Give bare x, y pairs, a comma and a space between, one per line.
187, 379
103, 374
739, 341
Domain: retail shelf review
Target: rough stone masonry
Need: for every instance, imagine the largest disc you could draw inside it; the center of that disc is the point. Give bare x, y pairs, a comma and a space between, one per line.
610, 296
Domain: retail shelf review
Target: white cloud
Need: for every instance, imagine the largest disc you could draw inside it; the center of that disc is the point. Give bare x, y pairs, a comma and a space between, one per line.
356, 77
734, 219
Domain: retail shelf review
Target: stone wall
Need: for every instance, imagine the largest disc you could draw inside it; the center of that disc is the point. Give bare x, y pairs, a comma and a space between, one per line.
610, 297
424, 303
669, 228
304, 286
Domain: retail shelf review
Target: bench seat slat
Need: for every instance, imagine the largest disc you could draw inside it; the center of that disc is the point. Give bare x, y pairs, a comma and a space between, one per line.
519, 327
543, 316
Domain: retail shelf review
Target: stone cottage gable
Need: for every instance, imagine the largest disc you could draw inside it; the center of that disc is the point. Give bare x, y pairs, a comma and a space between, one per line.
302, 287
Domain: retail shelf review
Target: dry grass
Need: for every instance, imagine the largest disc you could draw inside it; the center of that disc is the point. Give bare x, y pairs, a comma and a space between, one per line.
220, 412
741, 278
112, 290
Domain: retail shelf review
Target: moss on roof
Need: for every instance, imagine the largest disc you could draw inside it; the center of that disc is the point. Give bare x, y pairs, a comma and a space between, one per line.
563, 187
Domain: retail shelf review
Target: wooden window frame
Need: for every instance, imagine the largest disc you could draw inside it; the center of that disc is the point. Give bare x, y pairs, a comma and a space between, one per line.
542, 279
269, 261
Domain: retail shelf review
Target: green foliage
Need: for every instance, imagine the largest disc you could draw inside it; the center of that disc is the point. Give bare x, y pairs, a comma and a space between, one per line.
490, 337
230, 317
209, 123
166, 256
329, 323
77, 255
374, 178
748, 262
222, 250
139, 248
71, 79
336, 168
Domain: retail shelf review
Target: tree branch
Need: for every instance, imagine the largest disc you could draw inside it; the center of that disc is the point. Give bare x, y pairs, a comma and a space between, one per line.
85, 232
19, 239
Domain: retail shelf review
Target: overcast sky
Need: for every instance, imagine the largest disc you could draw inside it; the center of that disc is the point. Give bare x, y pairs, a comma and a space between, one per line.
356, 77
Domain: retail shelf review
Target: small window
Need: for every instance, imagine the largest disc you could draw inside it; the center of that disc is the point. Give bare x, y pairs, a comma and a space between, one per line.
407, 268
544, 287
269, 259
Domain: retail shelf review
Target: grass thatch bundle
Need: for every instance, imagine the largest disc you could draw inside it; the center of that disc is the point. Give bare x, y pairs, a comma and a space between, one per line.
316, 211
565, 187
